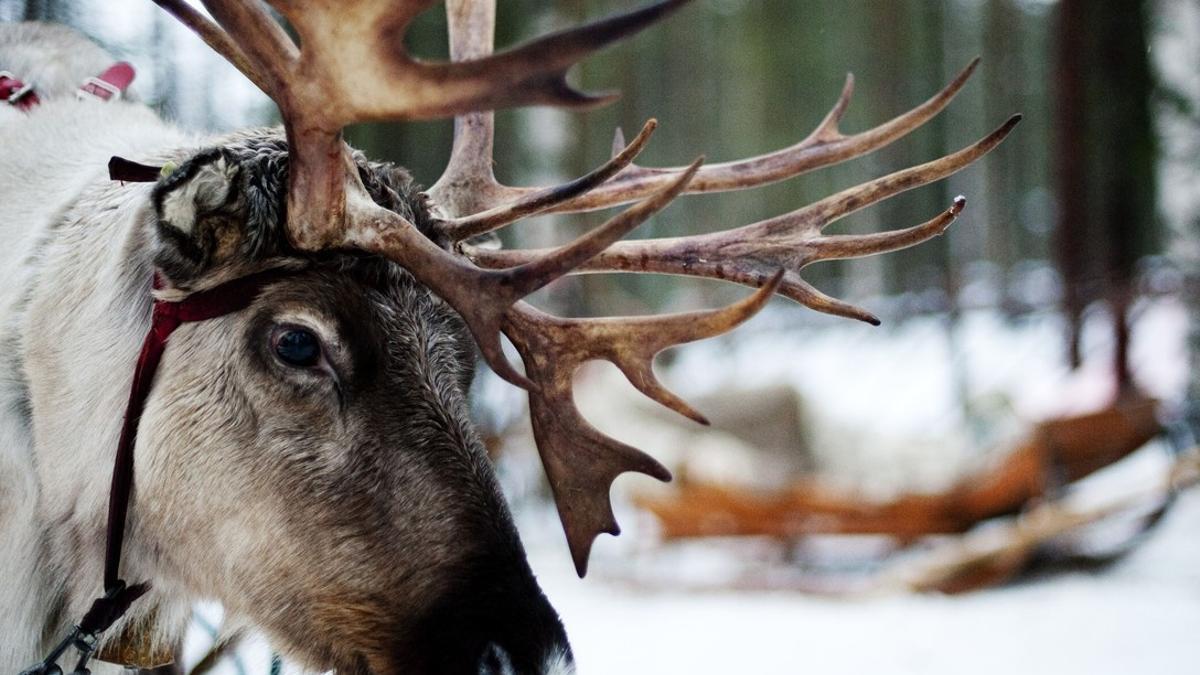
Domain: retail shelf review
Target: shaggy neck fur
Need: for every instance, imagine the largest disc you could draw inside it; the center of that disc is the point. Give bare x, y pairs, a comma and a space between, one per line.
74, 270
51, 161
71, 283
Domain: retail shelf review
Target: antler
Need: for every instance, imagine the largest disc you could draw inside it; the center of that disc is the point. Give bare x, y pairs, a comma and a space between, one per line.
581, 463
750, 254
825, 146
351, 66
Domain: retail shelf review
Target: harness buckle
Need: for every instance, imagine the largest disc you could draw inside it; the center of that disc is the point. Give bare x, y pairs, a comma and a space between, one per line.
83, 641
15, 96
107, 90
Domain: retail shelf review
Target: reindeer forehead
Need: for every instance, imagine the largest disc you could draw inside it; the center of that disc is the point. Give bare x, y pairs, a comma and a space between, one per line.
244, 178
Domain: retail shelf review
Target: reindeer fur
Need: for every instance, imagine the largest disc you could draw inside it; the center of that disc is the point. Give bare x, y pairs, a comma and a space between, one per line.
351, 515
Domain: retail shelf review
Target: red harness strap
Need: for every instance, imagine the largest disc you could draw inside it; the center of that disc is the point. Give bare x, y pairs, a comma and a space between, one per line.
110, 84
106, 86
230, 297
225, 299
16, 93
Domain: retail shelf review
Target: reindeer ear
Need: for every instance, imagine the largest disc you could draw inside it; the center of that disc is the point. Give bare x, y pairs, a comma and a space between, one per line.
198, 208
203, 185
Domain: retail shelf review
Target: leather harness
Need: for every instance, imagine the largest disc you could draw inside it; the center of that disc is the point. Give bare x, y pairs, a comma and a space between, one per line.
106, 86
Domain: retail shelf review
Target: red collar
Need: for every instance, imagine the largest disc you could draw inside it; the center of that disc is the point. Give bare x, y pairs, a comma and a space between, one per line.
106, 86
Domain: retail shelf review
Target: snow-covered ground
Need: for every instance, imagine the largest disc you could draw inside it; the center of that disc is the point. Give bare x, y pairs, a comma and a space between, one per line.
1139, 617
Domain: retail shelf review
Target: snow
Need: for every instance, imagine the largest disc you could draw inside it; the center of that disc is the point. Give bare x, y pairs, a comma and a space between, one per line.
1140, 617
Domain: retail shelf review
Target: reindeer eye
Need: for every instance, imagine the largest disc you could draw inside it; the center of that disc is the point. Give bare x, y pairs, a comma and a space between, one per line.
298, 347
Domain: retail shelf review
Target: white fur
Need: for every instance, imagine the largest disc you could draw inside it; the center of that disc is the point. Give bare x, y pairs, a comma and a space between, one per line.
68, 284
559, 663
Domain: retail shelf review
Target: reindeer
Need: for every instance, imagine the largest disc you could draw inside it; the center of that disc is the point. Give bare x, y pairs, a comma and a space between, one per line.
304, 454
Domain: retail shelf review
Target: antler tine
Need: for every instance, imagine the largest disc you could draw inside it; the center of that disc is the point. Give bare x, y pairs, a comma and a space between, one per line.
538, 201
825, 146
751, 253
263, 41
353, 52
842, 246
214, 37
581, 463
483, 296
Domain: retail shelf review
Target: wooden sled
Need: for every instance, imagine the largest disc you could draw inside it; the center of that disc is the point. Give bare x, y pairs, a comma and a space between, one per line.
1056, 453
1027, 482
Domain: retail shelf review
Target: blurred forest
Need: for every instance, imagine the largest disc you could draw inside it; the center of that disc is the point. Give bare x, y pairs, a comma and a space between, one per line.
1072, 278
1093, 202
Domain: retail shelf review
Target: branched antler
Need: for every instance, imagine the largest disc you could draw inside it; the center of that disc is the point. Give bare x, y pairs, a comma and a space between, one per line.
750, 254
581, 462
350, 65
824, 146
484, 296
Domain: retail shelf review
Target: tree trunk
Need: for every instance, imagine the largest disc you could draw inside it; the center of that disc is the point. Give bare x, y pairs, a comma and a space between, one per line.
1106, 163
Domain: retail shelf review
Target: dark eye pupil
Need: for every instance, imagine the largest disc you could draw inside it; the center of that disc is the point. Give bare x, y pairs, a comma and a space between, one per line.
298, 348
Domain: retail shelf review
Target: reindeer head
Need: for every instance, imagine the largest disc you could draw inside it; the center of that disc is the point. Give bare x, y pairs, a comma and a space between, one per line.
327, 485
360, 522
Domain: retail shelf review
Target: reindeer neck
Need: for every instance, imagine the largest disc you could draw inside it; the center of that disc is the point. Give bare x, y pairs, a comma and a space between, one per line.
74, 279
